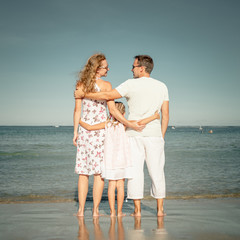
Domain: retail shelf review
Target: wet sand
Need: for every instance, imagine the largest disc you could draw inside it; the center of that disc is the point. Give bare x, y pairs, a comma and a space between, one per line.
186, 219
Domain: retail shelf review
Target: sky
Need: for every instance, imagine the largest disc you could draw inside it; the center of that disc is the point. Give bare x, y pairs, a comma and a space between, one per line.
195, 46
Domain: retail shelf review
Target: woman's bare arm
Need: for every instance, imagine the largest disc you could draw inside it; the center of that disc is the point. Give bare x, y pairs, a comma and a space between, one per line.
76, 118
92, 127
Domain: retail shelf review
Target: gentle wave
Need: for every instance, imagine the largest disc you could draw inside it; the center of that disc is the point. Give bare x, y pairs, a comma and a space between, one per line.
207, 196
18, 154
57, 199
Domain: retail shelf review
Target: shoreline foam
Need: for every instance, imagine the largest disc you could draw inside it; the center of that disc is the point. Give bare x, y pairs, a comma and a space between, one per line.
53, 199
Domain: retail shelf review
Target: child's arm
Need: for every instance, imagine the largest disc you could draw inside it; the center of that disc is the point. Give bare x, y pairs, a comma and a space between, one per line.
149, 119
92, 127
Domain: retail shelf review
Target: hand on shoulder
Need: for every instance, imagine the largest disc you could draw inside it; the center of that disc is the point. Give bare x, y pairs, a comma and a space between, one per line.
78, 93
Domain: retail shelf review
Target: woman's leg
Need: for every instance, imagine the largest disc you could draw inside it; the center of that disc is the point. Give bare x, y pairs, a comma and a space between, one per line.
111, 196
82, 193
98, 186
120, 197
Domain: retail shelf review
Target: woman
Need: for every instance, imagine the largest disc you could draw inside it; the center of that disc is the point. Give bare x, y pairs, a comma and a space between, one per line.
90, 144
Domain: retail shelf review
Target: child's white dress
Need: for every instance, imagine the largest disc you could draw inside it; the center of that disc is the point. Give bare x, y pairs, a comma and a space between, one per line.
117, 160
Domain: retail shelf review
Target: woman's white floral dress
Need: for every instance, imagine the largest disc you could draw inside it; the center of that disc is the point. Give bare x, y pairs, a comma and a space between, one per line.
90, 144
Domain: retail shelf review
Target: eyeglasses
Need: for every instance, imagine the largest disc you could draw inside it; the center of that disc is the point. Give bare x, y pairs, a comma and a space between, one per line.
104, 67
135, 66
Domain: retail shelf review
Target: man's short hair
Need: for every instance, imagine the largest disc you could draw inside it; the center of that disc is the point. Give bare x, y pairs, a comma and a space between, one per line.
145, 61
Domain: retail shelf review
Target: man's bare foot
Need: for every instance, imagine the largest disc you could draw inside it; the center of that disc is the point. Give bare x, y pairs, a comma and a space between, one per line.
161, 213
136, 214
121, 214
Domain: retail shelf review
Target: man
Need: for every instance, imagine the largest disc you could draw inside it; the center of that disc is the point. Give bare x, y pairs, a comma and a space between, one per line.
144, 95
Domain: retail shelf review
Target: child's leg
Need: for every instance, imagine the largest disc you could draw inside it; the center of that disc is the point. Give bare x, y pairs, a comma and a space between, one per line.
120, 196
111, 196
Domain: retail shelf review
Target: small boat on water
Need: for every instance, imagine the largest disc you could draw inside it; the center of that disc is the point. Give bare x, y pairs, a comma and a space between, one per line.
173, 127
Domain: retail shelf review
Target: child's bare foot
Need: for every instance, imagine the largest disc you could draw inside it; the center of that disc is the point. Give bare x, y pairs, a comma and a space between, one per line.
161, 213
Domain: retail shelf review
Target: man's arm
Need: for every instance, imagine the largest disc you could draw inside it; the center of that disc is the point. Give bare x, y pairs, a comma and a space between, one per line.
165, 117
114, 111
109, 95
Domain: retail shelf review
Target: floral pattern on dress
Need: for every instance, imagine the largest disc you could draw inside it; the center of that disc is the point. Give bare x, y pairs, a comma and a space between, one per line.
90, 144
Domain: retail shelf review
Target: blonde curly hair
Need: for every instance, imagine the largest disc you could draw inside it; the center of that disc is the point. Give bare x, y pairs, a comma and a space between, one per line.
87, 76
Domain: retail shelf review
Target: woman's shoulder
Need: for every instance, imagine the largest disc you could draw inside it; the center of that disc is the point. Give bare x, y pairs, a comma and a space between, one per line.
104, 85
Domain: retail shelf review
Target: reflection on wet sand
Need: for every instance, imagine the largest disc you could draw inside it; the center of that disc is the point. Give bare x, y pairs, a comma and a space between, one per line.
160, 232
98, 233
121, 233
83, 233
136, 233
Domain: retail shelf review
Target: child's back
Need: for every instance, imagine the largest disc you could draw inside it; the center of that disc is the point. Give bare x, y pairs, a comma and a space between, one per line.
117, 161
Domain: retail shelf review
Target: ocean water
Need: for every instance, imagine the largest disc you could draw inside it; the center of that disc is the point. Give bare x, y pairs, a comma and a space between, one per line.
37, 164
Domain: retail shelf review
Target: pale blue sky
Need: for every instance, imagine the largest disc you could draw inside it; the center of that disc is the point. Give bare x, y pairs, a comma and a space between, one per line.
195, 46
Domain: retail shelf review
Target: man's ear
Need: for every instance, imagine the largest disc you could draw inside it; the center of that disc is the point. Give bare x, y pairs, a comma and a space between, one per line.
142, 69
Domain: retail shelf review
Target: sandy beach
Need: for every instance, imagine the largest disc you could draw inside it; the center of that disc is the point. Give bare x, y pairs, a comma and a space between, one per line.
186, 219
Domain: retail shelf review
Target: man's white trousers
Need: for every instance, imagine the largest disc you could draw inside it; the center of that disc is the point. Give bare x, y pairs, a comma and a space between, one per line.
150, 149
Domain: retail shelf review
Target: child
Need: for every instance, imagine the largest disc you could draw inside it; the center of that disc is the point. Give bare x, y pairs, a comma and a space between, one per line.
117, 161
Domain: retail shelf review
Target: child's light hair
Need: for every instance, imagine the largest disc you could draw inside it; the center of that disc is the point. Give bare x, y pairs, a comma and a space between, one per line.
120, 107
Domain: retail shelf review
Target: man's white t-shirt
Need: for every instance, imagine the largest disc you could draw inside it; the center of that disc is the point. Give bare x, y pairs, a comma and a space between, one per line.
144, 96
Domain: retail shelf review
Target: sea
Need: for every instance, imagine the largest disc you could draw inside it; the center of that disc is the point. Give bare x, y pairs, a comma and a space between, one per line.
37, 164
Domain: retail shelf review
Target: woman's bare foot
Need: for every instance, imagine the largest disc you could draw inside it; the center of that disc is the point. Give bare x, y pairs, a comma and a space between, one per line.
97, 214
79, 214
121, 214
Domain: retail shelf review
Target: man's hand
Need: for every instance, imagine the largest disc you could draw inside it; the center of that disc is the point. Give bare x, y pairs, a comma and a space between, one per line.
78, 93
136, 126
